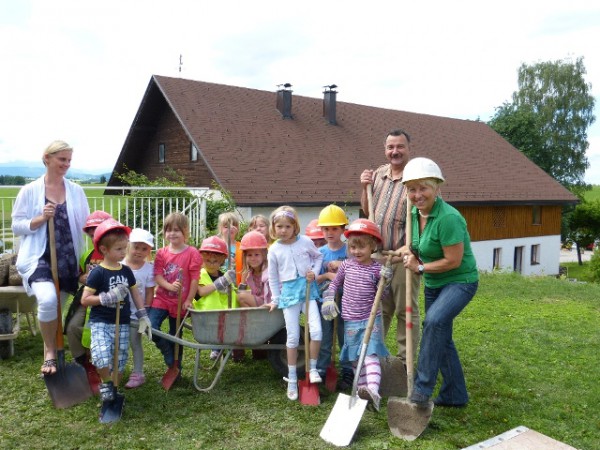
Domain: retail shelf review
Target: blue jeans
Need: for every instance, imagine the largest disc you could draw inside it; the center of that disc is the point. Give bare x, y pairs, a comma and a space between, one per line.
327, 342
438, 352
167, 348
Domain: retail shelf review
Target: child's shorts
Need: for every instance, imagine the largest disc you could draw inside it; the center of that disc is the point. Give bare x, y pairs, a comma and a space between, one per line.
103, 340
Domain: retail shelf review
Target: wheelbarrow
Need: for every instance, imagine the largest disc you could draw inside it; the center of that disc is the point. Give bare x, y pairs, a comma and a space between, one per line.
232, 329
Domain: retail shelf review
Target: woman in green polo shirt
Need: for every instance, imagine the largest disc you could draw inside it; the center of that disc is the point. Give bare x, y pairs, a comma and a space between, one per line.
441, 252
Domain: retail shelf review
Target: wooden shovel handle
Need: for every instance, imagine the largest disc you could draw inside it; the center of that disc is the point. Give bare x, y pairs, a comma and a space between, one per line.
178, 320
370, 202
229, 262
408, 301
54, 268
306, 331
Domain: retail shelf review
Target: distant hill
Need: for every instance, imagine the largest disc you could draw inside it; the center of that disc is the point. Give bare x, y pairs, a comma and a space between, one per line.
30, 169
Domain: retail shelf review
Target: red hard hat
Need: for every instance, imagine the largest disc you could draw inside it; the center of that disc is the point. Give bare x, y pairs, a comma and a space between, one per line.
214, 244
105, 227
363, 226
95, 219
313, 230
253, 240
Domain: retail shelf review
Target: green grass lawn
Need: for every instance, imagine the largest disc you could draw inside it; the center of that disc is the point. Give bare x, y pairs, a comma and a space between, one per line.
594, 193
529, 348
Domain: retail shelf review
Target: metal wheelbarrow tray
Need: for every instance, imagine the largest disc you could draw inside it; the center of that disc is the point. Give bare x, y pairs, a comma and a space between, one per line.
230, 329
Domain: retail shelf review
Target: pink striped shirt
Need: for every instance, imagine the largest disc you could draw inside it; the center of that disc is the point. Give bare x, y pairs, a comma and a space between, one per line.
360, 286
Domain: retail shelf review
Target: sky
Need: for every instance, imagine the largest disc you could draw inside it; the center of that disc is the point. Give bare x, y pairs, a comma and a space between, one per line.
77, 70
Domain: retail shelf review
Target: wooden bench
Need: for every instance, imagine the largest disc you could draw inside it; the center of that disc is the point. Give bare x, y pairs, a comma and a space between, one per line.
17, 302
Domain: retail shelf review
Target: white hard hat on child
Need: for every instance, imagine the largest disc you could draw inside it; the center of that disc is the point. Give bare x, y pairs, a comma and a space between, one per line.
421, 168
140, 235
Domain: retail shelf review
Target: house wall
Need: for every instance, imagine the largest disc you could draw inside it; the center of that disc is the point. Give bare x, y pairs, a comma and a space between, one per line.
549, 254
177, 154
510, 222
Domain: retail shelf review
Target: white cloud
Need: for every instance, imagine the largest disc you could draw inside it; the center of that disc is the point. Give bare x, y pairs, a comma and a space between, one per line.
78, 70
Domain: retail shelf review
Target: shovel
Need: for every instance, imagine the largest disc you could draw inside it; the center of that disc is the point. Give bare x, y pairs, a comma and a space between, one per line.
406, 420
308, 392
69, 385
173, 372
112, 411
348, 410
331, 374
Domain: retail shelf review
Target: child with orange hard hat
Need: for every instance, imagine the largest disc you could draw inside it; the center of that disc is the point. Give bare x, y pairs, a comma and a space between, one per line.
360, 277
254, 271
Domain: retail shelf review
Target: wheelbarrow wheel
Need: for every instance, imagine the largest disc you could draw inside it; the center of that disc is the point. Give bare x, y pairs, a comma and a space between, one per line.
278, 358
7, 346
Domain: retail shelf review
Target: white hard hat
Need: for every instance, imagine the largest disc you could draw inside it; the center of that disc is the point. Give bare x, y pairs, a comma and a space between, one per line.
140, 235
421, 168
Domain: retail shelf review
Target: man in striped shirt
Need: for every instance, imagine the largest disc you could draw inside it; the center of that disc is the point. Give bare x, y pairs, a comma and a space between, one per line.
389, 211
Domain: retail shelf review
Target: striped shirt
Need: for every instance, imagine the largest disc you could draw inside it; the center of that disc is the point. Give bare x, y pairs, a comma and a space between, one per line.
360, 286
389, 207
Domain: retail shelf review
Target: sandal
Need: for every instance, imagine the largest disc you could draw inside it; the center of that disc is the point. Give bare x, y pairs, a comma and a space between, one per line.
49, 367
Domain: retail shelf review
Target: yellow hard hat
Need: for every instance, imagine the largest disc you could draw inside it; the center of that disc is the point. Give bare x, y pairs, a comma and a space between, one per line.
332, 216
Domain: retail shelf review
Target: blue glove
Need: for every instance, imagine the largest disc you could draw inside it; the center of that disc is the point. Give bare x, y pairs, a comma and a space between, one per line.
329, 310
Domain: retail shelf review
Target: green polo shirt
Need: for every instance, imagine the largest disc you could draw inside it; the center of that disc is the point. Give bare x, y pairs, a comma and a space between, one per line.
445, 227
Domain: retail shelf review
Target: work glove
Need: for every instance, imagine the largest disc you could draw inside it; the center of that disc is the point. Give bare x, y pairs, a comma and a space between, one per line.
222, 283
144, 325
386, 273
329, 309
114, 296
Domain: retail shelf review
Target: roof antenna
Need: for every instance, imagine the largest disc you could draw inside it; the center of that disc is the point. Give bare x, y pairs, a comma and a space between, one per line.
180, 62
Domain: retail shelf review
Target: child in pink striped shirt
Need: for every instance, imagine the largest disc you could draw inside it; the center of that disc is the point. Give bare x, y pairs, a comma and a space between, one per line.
359, 276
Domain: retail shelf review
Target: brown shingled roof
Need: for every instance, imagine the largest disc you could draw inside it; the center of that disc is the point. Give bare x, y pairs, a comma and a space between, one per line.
262, 159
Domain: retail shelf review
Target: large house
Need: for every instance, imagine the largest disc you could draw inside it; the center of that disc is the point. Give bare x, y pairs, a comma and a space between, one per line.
274, 148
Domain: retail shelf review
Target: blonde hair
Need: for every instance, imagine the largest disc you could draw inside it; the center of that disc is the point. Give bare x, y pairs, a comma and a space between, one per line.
55, 147
179, 220
362, 240
111, 237
284, 213
246, 269
254, 220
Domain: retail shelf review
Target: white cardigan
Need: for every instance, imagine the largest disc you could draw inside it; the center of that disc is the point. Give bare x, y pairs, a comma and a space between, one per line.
30, 203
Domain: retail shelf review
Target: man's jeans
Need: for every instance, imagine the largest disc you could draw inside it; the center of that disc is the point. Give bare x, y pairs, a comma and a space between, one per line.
438, 352
167, 348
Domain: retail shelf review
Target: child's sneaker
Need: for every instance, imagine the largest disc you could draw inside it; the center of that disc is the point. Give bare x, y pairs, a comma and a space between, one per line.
214, 355
136, 379
372, 397
292, 388
314, 376
107, 391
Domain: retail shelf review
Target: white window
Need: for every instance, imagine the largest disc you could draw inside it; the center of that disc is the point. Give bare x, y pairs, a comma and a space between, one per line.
535, 254
193, 152
162, 149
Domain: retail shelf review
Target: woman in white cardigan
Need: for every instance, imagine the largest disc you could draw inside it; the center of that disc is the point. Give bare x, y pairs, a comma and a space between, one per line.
50, 196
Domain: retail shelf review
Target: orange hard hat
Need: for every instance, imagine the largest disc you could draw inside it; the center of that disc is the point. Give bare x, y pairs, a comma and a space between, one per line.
105, 227
363, 226
214, 244
253, 240
313, 230
95, 219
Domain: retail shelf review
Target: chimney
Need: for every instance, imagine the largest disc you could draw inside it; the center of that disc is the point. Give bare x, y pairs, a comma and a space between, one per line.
284, 100
329, 103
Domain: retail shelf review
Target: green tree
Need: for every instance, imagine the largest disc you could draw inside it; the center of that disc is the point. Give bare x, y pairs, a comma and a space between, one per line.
584, 225
549, 117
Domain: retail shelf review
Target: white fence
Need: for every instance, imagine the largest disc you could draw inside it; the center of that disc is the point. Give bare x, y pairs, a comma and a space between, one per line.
130, 207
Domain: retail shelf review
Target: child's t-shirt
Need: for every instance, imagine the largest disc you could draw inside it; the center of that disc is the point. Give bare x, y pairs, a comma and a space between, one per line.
144, 277
360, 286
330, 255
103, 279
167, 264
